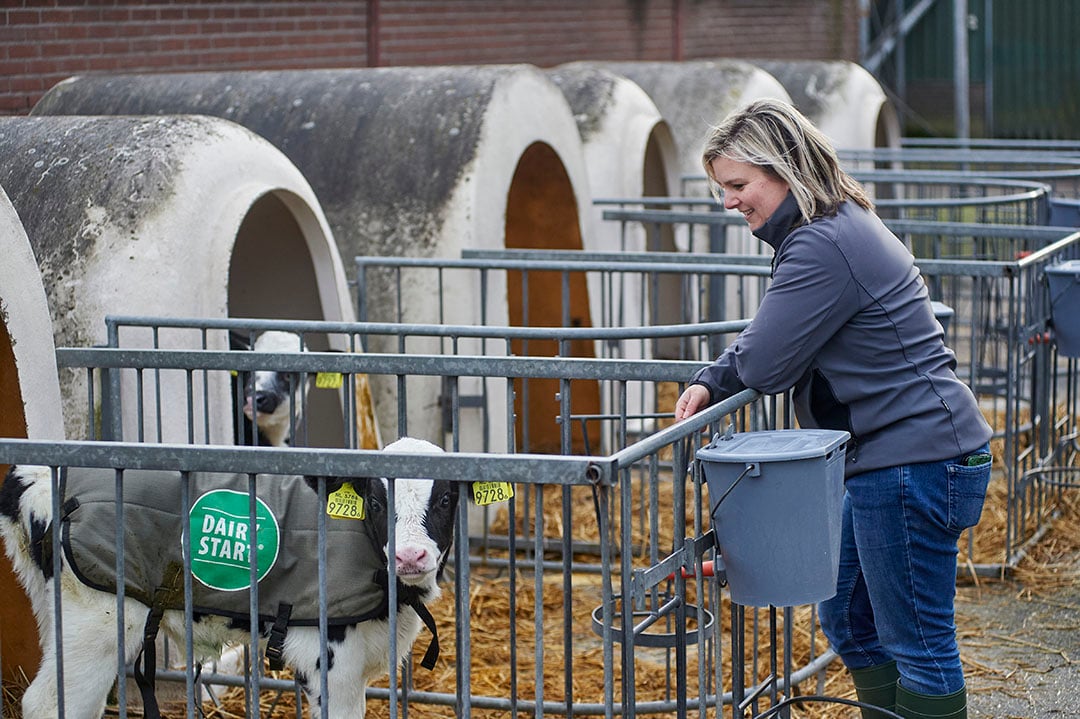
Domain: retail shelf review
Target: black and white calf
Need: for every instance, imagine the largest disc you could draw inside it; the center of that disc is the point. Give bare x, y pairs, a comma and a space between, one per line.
358, 650
269, 395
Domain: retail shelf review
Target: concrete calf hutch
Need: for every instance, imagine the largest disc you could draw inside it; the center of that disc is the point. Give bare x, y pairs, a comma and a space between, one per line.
29, 409
693, 97
629, 148
842, 99
405, 161
169, 216
629, 153
696, 95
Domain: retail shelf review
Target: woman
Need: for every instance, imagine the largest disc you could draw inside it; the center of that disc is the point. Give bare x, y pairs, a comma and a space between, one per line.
847, 322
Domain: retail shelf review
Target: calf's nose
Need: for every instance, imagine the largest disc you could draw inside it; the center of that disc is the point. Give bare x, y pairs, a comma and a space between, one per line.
266, 402
411, 560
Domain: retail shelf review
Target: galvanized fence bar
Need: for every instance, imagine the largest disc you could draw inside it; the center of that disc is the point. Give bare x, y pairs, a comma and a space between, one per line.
473, 400
1058, 169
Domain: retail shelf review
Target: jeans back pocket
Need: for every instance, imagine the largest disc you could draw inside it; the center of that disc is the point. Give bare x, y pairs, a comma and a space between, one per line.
967, 492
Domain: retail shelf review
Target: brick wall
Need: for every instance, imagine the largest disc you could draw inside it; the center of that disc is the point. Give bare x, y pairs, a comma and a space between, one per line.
44, 41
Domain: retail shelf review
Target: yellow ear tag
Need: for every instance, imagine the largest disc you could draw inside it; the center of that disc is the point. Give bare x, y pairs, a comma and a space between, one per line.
485, 493
328, 380
345, 503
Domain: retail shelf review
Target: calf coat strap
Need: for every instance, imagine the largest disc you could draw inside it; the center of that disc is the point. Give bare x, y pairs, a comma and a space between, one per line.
275, 645
164, 596
146, 670
410, 596
432, 654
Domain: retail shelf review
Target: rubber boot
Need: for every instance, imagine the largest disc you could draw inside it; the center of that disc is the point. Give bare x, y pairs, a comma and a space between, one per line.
911, 705
876, 685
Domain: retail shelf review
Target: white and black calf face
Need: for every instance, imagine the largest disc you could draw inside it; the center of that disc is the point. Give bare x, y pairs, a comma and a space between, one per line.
268, 396
423, 522
424, 530
272, 400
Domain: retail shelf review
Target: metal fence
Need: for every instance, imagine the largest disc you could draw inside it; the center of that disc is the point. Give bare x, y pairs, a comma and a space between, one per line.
571, 290
1003, 335
937, 196
992, 277
617, 510
955, 197
1056, 169
1060, 170
603, 556
1060, 148
475, 404
989, 286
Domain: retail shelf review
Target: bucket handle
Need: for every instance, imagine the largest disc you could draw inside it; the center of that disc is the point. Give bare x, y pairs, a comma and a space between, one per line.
753, 469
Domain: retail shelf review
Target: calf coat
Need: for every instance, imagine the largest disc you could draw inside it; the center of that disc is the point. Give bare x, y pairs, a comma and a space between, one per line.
286, 513
356, 574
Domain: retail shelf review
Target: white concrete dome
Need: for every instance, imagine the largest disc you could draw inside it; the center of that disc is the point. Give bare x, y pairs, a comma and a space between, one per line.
695, 95
29, 408
29, 388
842, 99
165, 216
417, 161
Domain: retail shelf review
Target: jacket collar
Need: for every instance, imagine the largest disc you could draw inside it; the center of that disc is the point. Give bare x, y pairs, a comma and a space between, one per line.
785, 219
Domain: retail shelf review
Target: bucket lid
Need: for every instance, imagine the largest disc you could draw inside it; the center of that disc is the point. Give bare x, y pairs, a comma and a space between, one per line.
942, 310
1069, 267
778, 445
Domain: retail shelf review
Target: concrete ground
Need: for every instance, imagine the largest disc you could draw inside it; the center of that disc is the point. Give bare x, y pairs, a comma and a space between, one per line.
1020, 643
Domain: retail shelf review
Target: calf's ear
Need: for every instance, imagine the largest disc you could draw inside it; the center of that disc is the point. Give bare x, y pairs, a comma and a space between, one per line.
239, 340
333, 484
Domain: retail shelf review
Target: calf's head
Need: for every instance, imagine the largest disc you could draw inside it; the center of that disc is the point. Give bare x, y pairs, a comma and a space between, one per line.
268, 395
424, 516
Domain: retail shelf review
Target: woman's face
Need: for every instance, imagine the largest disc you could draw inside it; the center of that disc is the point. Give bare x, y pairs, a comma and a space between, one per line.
749, 189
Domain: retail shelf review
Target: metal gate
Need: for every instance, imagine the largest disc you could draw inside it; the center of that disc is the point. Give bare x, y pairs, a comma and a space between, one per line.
581, 533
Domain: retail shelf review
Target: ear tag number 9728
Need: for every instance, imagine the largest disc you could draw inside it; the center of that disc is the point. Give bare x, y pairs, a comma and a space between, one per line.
485, 493
345, 503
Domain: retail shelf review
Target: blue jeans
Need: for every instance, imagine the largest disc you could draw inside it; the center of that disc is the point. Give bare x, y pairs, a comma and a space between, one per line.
897, 578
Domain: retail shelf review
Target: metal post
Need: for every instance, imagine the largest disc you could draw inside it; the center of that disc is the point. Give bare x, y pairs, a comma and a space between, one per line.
900, 66
961, 75
988, 64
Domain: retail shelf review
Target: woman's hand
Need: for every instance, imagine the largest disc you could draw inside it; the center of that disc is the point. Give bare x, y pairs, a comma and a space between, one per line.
691, 401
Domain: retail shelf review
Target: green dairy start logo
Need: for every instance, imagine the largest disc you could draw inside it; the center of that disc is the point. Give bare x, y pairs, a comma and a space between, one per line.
220, 545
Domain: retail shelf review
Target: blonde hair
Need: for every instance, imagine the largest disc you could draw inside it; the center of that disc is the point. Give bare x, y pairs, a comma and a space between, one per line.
774, 136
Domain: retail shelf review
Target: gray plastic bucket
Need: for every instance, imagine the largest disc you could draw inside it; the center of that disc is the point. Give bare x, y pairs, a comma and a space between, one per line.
943, 314
776, 499
1064, 281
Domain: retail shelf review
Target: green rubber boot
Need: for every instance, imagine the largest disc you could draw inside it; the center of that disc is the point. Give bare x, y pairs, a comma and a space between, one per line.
876, 685
922, 706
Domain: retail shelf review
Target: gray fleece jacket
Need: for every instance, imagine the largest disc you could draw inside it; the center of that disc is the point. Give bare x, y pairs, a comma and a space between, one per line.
847, 322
